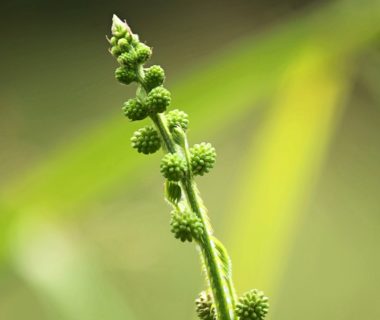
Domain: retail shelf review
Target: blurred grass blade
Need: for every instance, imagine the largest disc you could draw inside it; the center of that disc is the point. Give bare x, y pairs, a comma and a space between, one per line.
221, 90
64, 276
281, 167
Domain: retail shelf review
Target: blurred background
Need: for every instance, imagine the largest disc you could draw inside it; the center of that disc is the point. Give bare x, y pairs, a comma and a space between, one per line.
288, 93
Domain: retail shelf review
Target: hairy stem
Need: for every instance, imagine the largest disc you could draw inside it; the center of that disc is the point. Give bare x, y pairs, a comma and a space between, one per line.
164, 132
218, 285
220, 291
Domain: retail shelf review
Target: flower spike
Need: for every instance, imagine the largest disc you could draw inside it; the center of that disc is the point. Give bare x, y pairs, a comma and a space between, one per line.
179, 166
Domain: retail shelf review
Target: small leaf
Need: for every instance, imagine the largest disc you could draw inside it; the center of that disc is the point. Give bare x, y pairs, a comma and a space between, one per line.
225, 266
179, 136
173, 192
224, 259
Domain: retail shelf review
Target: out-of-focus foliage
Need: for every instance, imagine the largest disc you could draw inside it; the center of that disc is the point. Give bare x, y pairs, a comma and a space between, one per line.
286, 154
84, 230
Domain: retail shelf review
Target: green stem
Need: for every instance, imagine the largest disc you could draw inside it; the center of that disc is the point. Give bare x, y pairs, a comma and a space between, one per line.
164, 132
218, 285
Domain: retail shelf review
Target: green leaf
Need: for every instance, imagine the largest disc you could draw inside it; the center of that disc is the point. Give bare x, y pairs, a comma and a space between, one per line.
173, 192
224, 259
225, 263
282, 164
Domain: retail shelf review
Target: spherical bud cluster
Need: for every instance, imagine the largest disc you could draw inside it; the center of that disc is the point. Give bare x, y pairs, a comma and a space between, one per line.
125, 75
135, 110
128, 50
177, 118
154, 77
143, 53
173, 167
146, 140
128, 59
158, 100
123, 44
203, 157
186, 226
252, 306
115, 51
204, 306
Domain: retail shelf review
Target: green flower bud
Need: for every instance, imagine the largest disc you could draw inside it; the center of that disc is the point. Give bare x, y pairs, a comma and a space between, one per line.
125, 75
173, 167
119, 33
135, 110
186, 226
253, 305
119, 28
143, 53
115, 51
177, 118
146, 140
158, 100
135, 41
127, 59
204, 306
123, 45
113, 41
203, 157
154, 77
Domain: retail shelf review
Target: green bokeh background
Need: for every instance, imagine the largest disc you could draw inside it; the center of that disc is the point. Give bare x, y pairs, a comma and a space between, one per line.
287, 91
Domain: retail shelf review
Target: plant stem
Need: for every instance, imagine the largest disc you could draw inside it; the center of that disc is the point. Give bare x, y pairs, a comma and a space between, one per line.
222, 299
164, 132
218, 285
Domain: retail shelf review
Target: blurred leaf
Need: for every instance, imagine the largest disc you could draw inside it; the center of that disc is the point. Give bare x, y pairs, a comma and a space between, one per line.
225, 87
282, 164
63, 274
